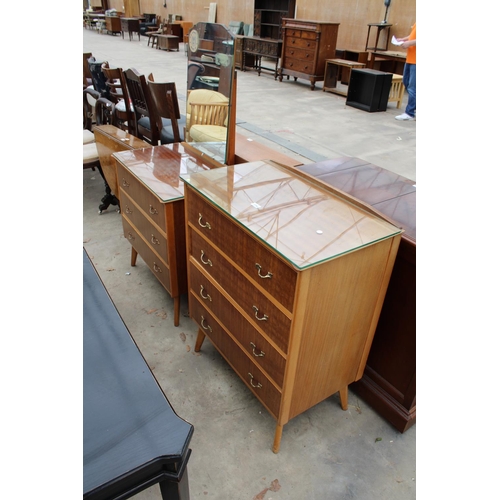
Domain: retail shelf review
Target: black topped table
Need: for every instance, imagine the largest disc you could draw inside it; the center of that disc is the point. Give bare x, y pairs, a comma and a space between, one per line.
132, 438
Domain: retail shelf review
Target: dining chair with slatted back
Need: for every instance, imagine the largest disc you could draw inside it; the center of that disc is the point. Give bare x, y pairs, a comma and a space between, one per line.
169, 120
143, 108
122, 112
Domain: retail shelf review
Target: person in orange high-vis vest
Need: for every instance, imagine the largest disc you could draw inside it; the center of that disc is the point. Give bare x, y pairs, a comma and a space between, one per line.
410, 73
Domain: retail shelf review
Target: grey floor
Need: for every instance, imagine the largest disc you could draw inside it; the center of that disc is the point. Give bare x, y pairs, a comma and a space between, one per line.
326, 453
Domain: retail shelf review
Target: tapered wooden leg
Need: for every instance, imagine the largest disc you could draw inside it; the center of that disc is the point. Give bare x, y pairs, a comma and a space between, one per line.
277, 438
133, 257
177, 309
199, 340
343, 398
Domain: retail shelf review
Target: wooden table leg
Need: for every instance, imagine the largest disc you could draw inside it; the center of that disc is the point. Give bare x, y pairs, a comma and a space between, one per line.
199, 340
277, 438
343, 398
133, 257
177, 309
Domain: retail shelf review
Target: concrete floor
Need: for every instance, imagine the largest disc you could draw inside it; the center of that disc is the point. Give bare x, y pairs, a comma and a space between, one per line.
326, 453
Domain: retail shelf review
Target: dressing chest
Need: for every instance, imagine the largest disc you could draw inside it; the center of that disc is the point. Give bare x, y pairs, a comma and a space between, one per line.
287, 280
306, 46
152, 209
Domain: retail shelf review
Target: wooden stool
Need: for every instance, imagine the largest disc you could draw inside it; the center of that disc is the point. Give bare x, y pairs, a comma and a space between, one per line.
332, 67
397, 90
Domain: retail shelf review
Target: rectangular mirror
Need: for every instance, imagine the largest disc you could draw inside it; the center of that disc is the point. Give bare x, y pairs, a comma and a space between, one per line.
210, 81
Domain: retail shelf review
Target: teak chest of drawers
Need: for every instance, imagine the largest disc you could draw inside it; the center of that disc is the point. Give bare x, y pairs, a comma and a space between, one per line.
287, 280
306, 46
152, 208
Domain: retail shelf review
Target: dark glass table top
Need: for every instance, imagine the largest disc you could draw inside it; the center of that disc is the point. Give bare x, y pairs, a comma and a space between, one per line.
130, 431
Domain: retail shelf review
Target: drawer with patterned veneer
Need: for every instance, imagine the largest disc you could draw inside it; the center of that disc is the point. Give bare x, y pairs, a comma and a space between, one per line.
260, 309
157, 240
264, 268
158, 266
144, 198
248, 371
255, 344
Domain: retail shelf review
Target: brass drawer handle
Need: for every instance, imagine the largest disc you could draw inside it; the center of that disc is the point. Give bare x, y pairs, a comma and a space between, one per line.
261, 354
259, 267
258, 386
157, 268
204, 297
207, 225
125, 183
208, 327
263, 318
152, 210
130, 237
154, 241
208, 262
127, 210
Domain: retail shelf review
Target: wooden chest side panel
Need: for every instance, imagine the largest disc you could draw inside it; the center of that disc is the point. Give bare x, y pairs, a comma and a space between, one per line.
337, 329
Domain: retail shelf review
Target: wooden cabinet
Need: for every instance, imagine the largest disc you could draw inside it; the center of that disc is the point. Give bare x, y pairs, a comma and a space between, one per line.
306, 46
287, 281
113, 24
269, 15
152, 208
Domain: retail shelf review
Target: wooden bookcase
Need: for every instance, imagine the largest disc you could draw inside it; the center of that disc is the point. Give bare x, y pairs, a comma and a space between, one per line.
268, 16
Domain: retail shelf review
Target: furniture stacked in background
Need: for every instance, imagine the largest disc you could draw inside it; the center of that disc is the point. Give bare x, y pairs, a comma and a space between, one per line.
132, 437
389, 381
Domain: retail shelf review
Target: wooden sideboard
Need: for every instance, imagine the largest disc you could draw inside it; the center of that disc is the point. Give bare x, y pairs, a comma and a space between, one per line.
152, 208
389, 381
287, 280
306, 47
257, 48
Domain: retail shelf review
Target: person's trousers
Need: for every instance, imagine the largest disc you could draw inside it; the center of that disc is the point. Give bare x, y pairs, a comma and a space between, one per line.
410, 83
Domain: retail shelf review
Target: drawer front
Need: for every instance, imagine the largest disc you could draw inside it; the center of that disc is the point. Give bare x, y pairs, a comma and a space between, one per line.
157, 266
260, 350
250, 373
144, 198
298, 53
148, 230
262, 312
301, 43
262, 266
299, 65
